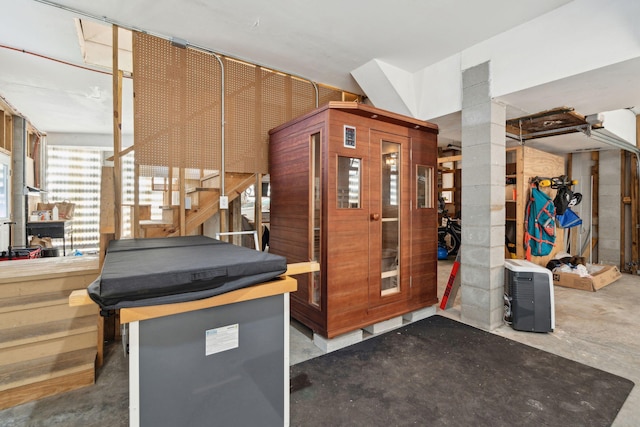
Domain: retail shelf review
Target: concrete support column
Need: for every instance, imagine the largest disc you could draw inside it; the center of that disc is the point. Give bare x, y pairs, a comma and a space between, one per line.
610, 202
18, 181
483, 201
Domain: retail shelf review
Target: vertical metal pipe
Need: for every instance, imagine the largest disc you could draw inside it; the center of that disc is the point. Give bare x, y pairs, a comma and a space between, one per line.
222, 121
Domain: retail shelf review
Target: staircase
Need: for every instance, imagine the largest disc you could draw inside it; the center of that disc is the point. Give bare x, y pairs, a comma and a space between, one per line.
46, 347
205, 202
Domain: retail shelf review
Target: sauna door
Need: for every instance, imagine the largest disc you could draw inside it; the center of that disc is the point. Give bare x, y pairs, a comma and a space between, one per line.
388, 175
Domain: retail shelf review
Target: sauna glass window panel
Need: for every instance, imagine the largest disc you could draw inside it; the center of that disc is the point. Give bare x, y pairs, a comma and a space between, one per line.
316, 209
390, 175
349, 179
424, 187
390, 257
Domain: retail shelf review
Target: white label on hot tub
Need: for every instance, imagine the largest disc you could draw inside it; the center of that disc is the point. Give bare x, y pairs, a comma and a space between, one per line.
221, 339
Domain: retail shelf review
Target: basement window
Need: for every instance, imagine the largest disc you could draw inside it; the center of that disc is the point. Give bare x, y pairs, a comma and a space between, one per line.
74, 175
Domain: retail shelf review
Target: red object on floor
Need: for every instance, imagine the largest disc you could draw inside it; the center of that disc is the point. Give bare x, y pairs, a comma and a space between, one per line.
450, 283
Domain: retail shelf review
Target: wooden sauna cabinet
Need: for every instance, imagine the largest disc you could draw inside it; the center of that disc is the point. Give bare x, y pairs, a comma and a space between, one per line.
354, 187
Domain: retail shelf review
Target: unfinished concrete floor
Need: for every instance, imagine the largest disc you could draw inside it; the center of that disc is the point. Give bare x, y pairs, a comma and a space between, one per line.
600, 329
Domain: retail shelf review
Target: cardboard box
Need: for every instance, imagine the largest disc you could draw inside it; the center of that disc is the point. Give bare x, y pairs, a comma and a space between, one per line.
608, 274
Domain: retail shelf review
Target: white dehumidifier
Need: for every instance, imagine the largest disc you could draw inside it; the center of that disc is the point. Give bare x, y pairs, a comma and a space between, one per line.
528, 296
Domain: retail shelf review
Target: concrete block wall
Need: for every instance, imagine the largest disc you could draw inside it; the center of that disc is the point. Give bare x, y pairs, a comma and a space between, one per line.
483, 201
609, 202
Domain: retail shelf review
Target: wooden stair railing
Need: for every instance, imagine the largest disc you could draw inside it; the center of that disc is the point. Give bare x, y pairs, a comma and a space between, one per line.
205, 203
235, 183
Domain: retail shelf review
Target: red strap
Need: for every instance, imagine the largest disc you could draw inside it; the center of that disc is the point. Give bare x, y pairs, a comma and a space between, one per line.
452, 277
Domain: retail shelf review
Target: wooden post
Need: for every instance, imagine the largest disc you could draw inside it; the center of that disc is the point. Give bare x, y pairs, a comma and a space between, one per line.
624, 173
635, 213
595, 205
107, 220
117, 133
573, 234
107, 231
257, 218
168, 195
623, 210
235, 208
135, 221
224, 221
182, 196
111, 186
522, 195
635, 208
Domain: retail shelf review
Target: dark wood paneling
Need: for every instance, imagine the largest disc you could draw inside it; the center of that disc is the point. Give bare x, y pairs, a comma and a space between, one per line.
350, 261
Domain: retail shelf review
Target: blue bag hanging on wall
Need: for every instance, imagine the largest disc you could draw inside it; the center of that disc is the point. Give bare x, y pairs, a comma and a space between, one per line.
539, 224
568, 219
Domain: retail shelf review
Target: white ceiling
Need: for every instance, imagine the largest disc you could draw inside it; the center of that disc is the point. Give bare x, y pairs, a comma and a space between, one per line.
319, 40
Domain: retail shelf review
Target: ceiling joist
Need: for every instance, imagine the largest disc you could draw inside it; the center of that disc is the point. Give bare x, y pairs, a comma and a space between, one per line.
558, 121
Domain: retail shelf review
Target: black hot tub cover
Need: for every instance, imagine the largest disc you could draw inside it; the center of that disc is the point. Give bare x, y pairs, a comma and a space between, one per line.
142, 272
